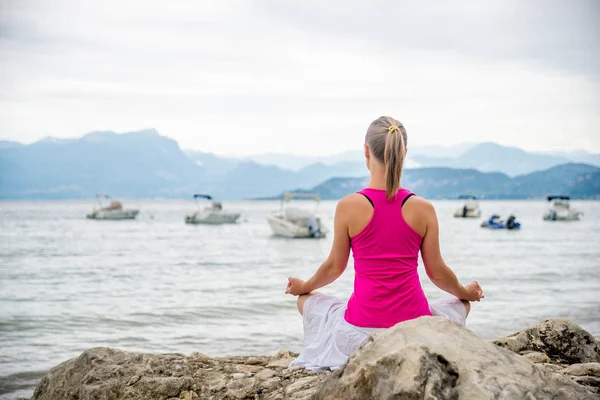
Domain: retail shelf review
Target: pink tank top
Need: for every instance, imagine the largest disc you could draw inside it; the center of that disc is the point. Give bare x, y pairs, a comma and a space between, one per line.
387, 289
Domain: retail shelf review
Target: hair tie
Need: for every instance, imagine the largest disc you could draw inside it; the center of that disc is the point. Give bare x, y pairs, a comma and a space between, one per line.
392, 129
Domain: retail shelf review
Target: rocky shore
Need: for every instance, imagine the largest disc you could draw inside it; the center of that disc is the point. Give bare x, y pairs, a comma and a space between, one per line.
427, 358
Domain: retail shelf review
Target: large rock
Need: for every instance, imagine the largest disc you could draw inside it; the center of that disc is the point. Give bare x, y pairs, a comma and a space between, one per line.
435, 358
108, 374
560, 339
427, 358
556, 344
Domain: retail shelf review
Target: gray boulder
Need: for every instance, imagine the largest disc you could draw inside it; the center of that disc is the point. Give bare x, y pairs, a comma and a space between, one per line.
560, 339
109, 374
427, 358
435, 358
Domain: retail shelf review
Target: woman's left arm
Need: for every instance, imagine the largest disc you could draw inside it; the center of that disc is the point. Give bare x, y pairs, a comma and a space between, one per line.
337, 261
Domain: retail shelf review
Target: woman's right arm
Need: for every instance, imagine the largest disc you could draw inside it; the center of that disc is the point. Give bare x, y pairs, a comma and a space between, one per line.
437, 270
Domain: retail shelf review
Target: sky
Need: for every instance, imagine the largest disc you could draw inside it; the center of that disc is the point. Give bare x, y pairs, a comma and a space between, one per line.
303, 77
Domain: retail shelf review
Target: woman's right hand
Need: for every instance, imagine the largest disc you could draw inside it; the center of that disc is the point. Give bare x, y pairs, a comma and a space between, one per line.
473, 292
295, 287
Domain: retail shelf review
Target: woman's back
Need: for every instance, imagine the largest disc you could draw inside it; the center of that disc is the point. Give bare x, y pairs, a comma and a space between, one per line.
387, 289
385, 232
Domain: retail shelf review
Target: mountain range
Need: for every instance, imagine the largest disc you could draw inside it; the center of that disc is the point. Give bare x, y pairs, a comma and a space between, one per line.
491, 157
485, 157
573, 179
136, 164
146, 164
142, 164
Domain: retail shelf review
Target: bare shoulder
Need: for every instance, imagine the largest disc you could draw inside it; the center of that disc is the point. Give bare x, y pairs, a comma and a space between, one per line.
356, 210
420, 206
353, 198
353, 201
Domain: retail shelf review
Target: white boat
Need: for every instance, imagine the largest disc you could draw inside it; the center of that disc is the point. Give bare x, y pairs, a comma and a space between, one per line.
114, 211
213, 214
296, 222
560, 210
470, 209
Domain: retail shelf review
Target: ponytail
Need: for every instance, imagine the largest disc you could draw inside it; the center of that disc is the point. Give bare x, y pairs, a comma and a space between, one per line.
386, 138
393, 160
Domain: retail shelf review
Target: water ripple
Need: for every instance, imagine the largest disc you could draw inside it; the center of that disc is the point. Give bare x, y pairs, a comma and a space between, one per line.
158, 285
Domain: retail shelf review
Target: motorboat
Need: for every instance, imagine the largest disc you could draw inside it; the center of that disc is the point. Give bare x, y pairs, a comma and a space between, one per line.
494, 222
560, 210
294, 222
113, 211
470, 208
212, 214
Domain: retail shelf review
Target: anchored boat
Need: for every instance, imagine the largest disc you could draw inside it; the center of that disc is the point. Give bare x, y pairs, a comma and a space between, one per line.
114, 210
213, 214
560, 210
293, 222
470, 208
494, 222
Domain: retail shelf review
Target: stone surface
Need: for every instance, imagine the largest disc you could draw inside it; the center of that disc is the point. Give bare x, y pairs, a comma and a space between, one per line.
537, 357
282, 359
591, 381
188, 395
551, 367
265, 374
435, 358
109, 374
560, 339
426, 358
591, 369
301, 384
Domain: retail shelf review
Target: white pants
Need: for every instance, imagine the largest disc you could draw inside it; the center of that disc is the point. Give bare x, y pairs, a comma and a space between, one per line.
329, 340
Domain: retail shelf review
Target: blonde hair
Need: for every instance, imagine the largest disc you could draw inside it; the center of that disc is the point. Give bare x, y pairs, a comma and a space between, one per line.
386, 138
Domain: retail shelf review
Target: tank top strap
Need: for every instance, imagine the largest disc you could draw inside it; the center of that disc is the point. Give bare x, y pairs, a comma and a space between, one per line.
369, 196
403, 195
375, 196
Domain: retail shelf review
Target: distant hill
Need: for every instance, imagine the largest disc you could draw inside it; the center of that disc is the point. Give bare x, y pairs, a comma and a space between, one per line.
213, 165
250, 179
146, 164
231, 178
485, 157
136, 164
143, 164
492, 157
295, 162
284, 161
8, 144
579, 156
576, 180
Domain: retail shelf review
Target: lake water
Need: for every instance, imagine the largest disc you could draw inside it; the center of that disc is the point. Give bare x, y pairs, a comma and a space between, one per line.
159, 285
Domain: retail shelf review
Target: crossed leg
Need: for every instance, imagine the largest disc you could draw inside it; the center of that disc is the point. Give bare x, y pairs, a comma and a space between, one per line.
302, 299
467, 306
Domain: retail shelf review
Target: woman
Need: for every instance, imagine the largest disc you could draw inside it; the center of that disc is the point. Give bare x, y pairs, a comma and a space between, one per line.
385, 225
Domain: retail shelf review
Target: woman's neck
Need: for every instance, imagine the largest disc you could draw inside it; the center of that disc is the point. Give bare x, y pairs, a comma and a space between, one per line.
376, 183
377, 180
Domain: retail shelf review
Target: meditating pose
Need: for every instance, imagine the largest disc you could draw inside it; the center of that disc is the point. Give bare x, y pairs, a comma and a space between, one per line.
385, 225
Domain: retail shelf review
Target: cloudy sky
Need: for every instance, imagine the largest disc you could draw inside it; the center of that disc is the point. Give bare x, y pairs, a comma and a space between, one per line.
304, 77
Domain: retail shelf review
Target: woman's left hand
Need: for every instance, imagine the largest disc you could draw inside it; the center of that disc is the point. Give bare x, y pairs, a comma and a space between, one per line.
296, 287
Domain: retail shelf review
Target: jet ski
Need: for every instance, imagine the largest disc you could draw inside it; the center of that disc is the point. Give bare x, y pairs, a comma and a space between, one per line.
494, 222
